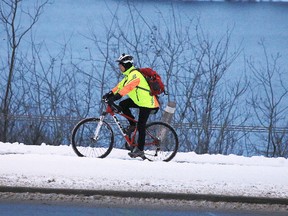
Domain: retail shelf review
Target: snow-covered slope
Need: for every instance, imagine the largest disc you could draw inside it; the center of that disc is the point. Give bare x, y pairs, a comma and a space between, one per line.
58, 167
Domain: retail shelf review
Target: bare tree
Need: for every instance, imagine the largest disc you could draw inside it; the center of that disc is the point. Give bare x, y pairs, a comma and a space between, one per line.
269, 101
11, 15
211, 107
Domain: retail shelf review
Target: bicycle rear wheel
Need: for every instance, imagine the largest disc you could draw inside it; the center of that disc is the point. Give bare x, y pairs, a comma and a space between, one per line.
161, 142
83, 142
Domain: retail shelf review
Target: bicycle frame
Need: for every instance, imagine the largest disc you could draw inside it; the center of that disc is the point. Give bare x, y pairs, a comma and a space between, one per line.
110, 111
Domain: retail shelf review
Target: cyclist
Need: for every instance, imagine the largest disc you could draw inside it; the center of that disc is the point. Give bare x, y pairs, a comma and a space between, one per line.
134, 84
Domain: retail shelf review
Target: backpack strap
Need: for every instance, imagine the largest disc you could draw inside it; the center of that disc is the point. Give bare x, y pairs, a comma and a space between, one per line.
139, 87
143, 89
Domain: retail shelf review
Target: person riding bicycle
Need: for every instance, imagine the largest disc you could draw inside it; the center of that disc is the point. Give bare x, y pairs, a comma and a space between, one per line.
134, 85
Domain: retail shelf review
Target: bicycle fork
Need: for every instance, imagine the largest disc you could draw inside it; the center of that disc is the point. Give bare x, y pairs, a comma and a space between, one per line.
97, 130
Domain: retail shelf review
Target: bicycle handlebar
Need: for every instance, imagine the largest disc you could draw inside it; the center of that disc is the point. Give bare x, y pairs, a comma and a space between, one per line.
116, 108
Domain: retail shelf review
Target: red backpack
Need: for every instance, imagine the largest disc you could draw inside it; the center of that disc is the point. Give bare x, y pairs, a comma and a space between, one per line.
154, 81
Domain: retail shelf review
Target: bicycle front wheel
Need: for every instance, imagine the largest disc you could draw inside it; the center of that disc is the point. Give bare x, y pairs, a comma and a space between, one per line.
161, 142
84, 142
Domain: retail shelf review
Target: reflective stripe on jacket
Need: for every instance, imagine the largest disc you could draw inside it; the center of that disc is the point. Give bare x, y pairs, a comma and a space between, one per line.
128, 86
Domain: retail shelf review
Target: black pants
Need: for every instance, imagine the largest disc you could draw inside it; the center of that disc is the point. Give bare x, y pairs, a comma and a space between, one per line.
142, 118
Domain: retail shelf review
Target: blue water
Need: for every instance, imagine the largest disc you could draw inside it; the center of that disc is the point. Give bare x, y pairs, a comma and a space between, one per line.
72, 22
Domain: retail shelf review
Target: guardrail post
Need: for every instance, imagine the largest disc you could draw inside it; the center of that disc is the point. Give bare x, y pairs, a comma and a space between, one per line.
169, 112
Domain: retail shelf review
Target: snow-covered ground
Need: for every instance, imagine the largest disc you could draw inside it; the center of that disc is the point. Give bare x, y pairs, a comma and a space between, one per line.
59, 167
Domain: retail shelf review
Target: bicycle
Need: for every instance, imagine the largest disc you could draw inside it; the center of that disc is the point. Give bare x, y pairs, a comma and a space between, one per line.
94, 137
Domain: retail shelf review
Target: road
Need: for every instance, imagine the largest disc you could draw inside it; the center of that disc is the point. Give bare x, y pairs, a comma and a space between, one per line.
25, 209
134, 203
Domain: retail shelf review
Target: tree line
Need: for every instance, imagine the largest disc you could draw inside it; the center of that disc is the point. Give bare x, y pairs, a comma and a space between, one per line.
43, 97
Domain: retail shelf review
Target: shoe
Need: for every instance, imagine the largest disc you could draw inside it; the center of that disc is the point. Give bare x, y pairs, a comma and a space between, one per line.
136, 152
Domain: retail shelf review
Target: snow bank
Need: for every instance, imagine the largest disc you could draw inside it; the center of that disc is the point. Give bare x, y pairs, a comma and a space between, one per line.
59, 167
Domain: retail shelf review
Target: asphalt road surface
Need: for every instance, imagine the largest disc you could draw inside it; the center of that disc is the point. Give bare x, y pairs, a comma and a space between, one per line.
28, 201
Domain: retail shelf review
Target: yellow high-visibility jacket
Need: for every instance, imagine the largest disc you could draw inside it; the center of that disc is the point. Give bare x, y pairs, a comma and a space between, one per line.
129, 85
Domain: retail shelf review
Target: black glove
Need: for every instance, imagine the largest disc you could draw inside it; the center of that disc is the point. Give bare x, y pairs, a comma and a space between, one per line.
107, 95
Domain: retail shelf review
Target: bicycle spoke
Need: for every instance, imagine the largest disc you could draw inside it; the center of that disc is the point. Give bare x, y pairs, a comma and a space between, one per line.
84, 143
161, 142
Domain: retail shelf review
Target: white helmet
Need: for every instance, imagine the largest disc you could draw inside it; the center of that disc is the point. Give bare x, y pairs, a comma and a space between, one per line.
124, 59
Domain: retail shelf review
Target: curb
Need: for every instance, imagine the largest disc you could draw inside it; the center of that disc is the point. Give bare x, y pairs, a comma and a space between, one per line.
151, 195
